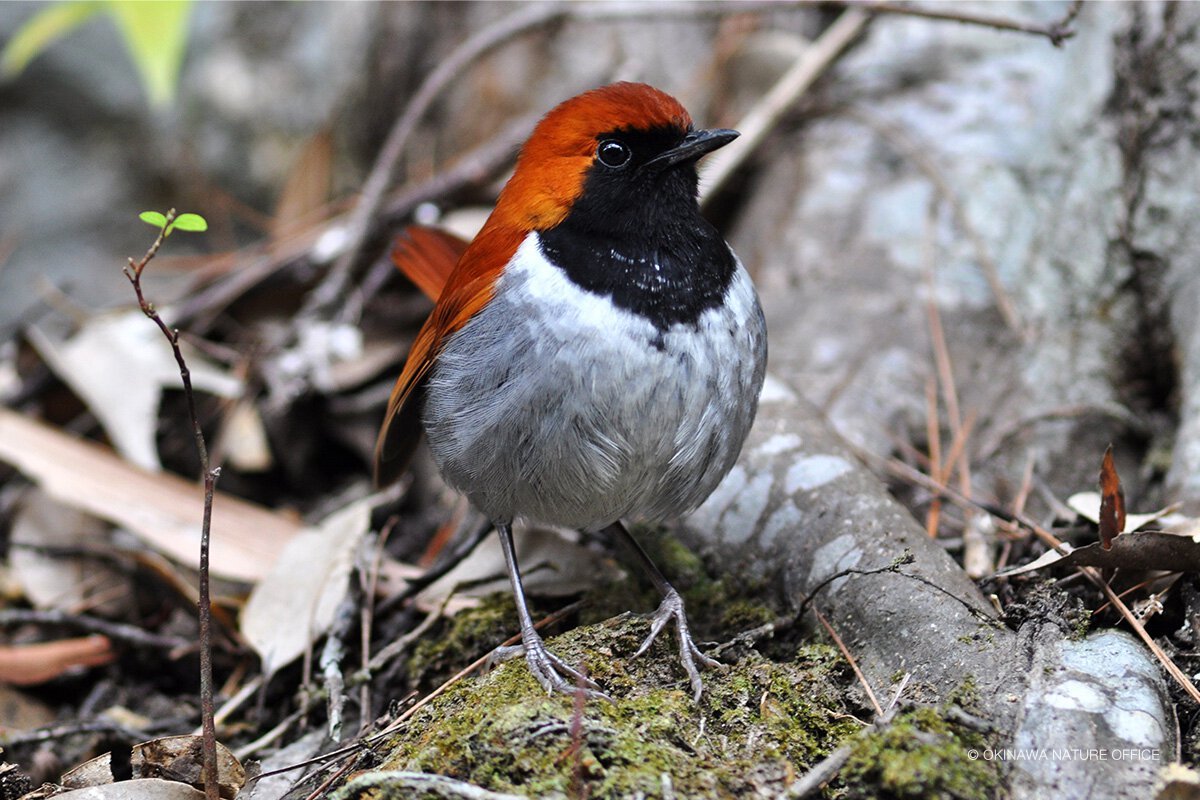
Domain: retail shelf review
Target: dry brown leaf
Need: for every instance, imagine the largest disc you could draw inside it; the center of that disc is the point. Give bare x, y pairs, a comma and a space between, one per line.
31, 664
162, 509
174, 759
1112, 501
1147, 550
306, 192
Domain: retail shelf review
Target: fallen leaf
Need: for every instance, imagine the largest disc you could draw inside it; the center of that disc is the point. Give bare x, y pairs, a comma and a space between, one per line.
169, 759
1147, 550
31, 664
119, 364
294, 604
1112, 501
47, 538
161, 509
137, 789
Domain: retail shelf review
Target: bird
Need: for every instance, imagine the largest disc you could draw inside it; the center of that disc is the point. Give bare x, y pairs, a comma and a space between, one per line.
595, 354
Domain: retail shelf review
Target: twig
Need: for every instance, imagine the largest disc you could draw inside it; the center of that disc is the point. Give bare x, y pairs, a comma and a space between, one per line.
322, 790
209, 737
113, 630
1057, 32
755, 125
895, 566
862, 679
933, 435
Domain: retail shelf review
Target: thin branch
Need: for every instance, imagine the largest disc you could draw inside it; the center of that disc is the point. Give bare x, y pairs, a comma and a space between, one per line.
382, 173
1057, 32
209, 736
862, 679
761, 119
113, 630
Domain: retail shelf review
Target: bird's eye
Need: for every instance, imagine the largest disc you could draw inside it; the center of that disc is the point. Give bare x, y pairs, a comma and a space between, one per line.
613, 153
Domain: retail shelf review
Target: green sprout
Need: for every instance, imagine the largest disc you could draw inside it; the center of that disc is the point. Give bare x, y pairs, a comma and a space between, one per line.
184, 222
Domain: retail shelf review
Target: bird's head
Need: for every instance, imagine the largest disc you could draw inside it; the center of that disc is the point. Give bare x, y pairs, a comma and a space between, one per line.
615, 143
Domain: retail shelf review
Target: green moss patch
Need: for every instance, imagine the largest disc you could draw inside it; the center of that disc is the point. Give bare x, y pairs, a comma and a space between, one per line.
758, 725
920, 755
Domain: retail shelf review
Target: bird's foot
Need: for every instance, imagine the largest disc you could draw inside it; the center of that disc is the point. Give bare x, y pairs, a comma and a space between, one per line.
671, 608
554, 674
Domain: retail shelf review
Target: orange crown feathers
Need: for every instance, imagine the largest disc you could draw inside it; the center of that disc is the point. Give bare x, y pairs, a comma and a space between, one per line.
554, 162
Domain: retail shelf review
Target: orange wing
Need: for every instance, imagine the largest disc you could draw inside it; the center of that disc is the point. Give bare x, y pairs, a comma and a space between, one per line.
468, 288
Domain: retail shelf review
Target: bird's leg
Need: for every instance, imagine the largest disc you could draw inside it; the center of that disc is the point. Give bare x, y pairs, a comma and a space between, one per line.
671, 608
549, 670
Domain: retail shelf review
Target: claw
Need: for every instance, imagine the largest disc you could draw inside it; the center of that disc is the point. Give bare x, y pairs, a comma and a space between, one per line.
670, 608
551, 671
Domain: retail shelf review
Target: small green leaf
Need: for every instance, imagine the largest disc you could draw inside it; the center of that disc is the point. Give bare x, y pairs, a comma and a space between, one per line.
153, 218
40, 30
190, 222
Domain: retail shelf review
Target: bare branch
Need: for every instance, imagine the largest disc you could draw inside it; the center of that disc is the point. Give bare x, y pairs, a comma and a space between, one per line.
209, 735
1057, 32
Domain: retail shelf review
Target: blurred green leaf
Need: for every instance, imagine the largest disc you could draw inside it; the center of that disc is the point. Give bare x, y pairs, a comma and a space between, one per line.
156, 34
36, 34
153, 218
190, 222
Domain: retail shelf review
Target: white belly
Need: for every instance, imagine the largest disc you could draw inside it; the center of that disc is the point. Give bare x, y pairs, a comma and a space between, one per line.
555, 405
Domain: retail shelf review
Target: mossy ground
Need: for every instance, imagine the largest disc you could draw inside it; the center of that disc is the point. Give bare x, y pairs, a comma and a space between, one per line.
758, 725
761, 723
920, 755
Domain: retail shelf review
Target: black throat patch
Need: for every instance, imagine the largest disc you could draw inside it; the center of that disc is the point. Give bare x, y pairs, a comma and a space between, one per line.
637, 236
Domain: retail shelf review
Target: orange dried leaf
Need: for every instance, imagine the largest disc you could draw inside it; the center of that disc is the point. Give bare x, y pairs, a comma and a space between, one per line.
31, 664
1112, 501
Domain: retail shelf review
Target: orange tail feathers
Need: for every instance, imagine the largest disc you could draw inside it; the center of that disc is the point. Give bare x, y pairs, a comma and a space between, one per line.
426, 256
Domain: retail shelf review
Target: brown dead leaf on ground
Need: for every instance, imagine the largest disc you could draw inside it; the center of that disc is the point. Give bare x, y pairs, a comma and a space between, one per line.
31, 664
160, 508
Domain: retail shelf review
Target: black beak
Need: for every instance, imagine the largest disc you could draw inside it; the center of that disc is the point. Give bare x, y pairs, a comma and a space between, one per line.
693, 146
